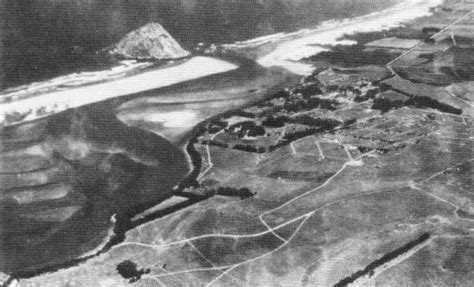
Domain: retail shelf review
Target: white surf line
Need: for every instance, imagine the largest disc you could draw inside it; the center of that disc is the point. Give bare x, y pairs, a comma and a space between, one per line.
292, 50
51, 103
74, 80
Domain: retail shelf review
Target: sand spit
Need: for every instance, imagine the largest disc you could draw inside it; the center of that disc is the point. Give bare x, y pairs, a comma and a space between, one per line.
48, 104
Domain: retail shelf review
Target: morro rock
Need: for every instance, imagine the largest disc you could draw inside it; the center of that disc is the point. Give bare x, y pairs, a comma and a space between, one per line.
151, 41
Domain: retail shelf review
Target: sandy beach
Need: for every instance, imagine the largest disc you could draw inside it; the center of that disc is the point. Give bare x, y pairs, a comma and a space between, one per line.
51, 103
289, 49
309, 42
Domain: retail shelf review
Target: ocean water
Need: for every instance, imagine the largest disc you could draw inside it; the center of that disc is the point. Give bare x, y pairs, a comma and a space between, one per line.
47, 38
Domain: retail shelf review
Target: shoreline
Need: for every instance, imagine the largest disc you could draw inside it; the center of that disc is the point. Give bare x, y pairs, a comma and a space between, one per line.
287, 51
308, 42
48, 104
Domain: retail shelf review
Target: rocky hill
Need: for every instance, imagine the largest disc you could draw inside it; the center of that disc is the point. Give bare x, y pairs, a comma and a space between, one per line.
151, 41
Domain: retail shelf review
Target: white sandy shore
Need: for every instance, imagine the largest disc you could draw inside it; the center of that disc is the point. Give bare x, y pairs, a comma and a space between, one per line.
74, 80
290, 48
306, 44
50, 103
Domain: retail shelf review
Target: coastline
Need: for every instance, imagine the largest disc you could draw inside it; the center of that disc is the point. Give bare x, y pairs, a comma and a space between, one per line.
306, 43
48, 104
286, 52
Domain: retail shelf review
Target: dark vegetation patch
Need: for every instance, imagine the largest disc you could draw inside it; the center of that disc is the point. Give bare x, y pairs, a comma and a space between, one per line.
425, 102
396, 98
301, 175
216, 125
326, 104
290, 137
275, 122
242, 193
403, 32
281, 121
364, 149
431, 30
464, 214
441, 69
250, 148
308, 91
323, 124
354, 56
349, 123
249, 128
463, 63
282, 110
209, 189
215, 143
369, 269
128, 270
370, 94
389, 100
